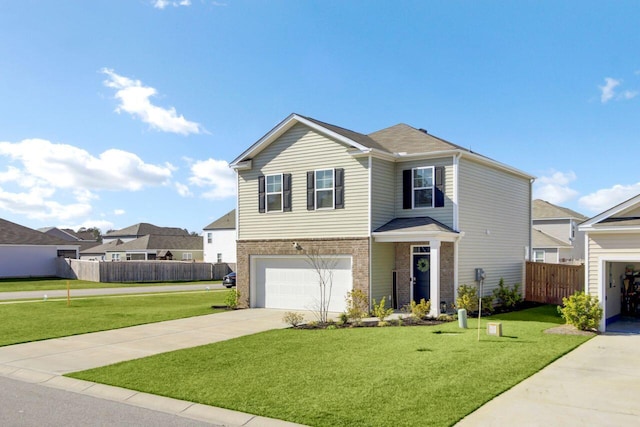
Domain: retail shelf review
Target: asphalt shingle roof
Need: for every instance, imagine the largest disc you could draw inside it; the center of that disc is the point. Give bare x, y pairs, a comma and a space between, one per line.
541, 239
15, 234
225, 222
545, 210
144, 228
415, 224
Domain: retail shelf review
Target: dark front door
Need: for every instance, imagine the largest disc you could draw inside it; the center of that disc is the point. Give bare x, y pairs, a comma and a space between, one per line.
421, 277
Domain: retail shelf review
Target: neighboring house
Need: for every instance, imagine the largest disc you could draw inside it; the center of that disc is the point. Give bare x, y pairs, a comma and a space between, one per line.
152, 247
612, 239
142, 229
25, 252
145, 241
219, 240
98, 253
556, 238
397, 213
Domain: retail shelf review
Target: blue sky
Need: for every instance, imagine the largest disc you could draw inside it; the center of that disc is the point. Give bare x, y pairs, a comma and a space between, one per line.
125, 111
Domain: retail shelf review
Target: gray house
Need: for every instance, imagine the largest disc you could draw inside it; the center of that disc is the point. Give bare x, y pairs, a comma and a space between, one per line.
397, 213
556, 237
25, 252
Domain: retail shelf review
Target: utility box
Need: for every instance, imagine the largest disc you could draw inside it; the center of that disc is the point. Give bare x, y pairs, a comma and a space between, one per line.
494, 328
480, 274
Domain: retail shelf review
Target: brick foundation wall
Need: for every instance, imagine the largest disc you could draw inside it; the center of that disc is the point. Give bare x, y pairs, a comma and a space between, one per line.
357, 248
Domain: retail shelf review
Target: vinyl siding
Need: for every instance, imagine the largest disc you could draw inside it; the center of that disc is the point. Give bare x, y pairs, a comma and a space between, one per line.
297, 151
443, 214
383, 199
382, 266
495, 217
621, 246
558, 228
633, 212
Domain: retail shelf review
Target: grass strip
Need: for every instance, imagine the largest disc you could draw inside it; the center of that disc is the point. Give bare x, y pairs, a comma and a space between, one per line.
33, 321
47, 284
394, 376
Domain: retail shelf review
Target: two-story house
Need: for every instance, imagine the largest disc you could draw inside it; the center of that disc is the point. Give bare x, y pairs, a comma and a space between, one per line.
397, 213
556, 237
219, 240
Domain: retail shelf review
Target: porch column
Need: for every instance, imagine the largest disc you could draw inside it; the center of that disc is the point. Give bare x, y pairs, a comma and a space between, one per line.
434, 276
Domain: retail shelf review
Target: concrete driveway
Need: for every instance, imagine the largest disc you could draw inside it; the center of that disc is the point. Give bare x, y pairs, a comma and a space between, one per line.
43, 362
597, 384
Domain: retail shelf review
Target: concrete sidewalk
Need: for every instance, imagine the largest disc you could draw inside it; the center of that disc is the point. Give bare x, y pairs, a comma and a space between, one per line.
597, 384
62, 293
44, 362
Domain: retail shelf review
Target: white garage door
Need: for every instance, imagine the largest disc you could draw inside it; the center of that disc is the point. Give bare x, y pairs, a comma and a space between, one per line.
291, 283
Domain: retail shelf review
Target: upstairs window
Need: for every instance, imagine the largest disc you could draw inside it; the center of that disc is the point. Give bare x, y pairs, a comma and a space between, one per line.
274, 193
325, 189
219, 258
423, 187
209, 237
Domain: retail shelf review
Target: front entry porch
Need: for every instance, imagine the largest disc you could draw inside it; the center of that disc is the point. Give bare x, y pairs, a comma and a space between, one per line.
425, 261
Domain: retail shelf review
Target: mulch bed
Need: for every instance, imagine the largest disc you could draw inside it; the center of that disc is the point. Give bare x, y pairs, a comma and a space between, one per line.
409, 321
568, 330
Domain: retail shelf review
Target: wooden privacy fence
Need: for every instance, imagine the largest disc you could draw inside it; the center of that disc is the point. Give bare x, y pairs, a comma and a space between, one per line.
140, 271
549, 283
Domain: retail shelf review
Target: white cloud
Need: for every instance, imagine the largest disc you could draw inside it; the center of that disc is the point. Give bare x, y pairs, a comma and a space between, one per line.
216, 175
119, 212
628, 94
183, 190
608, 90
161, 4
606, 198
49, 173
135, 99
555, 187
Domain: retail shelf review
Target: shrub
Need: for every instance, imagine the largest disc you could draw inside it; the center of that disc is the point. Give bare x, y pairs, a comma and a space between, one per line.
419, 310
344, 318
380, 311
357, 305
582, 311
467, 298
487, 304
507, 298
231, 299
292, 318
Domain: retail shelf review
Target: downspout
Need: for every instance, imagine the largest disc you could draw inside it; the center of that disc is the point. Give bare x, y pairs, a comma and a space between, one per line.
370, 220
456, 223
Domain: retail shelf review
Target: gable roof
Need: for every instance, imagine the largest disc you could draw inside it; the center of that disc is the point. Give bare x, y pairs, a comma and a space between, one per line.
393, 143
225, 222
545, 210
145, 228
155, 242
619, 218
540, 239
16, 234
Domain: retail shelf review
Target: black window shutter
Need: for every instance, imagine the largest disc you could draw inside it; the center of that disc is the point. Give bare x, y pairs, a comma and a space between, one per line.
406, 189
286, 187
439, 181
339, 188
261, 194
310, 193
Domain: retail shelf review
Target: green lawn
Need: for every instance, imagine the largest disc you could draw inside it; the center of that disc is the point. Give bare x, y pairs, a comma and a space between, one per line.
46, 284
32, 321
394, 376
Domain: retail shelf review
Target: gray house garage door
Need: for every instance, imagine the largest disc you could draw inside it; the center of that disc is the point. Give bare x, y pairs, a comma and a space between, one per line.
291, 283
